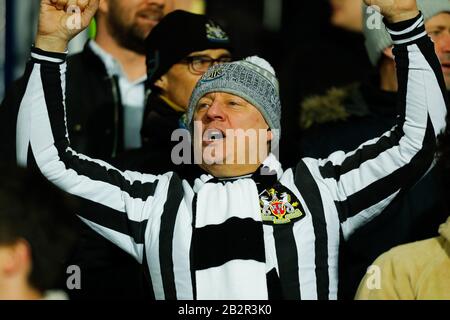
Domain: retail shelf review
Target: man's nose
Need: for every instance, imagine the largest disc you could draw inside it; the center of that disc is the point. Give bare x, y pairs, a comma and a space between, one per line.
216, 111
444, 43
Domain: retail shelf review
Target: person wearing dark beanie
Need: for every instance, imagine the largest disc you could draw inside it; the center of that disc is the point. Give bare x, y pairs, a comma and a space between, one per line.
179, 50
180, 34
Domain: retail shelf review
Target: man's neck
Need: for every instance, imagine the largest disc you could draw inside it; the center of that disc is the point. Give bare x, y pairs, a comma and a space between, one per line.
230, 171
133, 63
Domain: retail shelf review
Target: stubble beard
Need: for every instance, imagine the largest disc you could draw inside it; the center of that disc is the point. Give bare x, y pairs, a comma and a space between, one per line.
129, 36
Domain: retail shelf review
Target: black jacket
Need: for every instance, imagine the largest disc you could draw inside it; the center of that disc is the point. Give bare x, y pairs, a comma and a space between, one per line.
155, 156
95, 124
94, 109
95, 121
413, 216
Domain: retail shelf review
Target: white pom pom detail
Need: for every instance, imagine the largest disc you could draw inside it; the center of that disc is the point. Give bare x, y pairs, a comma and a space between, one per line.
260, 62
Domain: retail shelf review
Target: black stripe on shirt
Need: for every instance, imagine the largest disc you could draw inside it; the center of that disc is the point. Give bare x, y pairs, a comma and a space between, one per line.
287, 257
427, 49
409, 35
55, 55
403, 25
403, 178
308, 188
236, 238
191, 252
51, 81
167, 227
114, 220
274, 285
366, 153
406, 176
136, 190
147, 275
9, 112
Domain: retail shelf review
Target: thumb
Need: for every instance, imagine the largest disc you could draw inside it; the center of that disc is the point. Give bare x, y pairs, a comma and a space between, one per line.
90, 8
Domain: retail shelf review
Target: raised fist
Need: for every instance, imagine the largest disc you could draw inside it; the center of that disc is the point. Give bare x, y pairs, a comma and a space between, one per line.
62, 20
395, 10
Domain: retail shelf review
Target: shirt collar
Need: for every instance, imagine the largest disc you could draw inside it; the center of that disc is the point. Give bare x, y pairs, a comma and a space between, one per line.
113, 67
172, 104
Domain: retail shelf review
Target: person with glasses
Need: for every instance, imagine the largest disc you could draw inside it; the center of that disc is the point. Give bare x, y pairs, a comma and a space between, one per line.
243, 230
199, 64
180, 49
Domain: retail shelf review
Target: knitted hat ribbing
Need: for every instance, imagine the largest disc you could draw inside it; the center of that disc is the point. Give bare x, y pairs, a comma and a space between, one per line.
252, 79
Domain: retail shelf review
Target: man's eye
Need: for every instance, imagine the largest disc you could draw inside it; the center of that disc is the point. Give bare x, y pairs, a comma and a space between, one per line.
203, 106
225, 60
202, 60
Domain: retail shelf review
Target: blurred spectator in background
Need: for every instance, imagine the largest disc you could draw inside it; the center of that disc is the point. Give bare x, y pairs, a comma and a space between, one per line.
179, 51
244, 22
35, 236
106, 93
106, 82
106, 96
328, 55
415, 271
347, 14
345, 117
113, 67
194, 6
112, 70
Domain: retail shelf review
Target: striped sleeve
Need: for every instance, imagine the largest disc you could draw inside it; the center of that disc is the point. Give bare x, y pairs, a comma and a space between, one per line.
128, 197
363, 182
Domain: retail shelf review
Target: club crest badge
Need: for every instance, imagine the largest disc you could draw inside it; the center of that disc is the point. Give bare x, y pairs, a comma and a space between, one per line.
279, 206
213, 73
215, 33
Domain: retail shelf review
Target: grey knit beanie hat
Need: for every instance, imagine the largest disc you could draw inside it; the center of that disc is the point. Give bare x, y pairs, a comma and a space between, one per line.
252, 79
378, 39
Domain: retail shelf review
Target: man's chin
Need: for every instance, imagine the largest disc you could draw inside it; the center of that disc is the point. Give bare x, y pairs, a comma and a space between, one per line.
216, 170
229, 170
142, 29
214, 161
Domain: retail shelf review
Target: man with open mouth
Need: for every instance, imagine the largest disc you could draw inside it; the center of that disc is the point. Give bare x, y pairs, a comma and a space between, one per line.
237, 232
179, 50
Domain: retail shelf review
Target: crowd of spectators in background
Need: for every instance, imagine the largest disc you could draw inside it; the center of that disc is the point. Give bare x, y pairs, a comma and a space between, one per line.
338, 90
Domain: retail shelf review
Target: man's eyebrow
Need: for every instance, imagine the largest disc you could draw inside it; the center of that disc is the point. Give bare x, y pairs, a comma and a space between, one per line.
439, 27
225, 55
207, 97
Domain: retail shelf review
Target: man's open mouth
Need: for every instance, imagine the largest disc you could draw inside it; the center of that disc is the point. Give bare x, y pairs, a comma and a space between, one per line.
446, 65
213, 135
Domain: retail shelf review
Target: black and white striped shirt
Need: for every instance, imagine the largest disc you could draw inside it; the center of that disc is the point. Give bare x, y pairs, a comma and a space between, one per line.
214, 239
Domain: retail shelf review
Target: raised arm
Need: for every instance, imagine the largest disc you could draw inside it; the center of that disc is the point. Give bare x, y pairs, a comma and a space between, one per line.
363, 182
42, 136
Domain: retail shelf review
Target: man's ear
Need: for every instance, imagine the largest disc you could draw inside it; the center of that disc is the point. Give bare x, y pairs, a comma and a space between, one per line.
162, 83
388, 53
